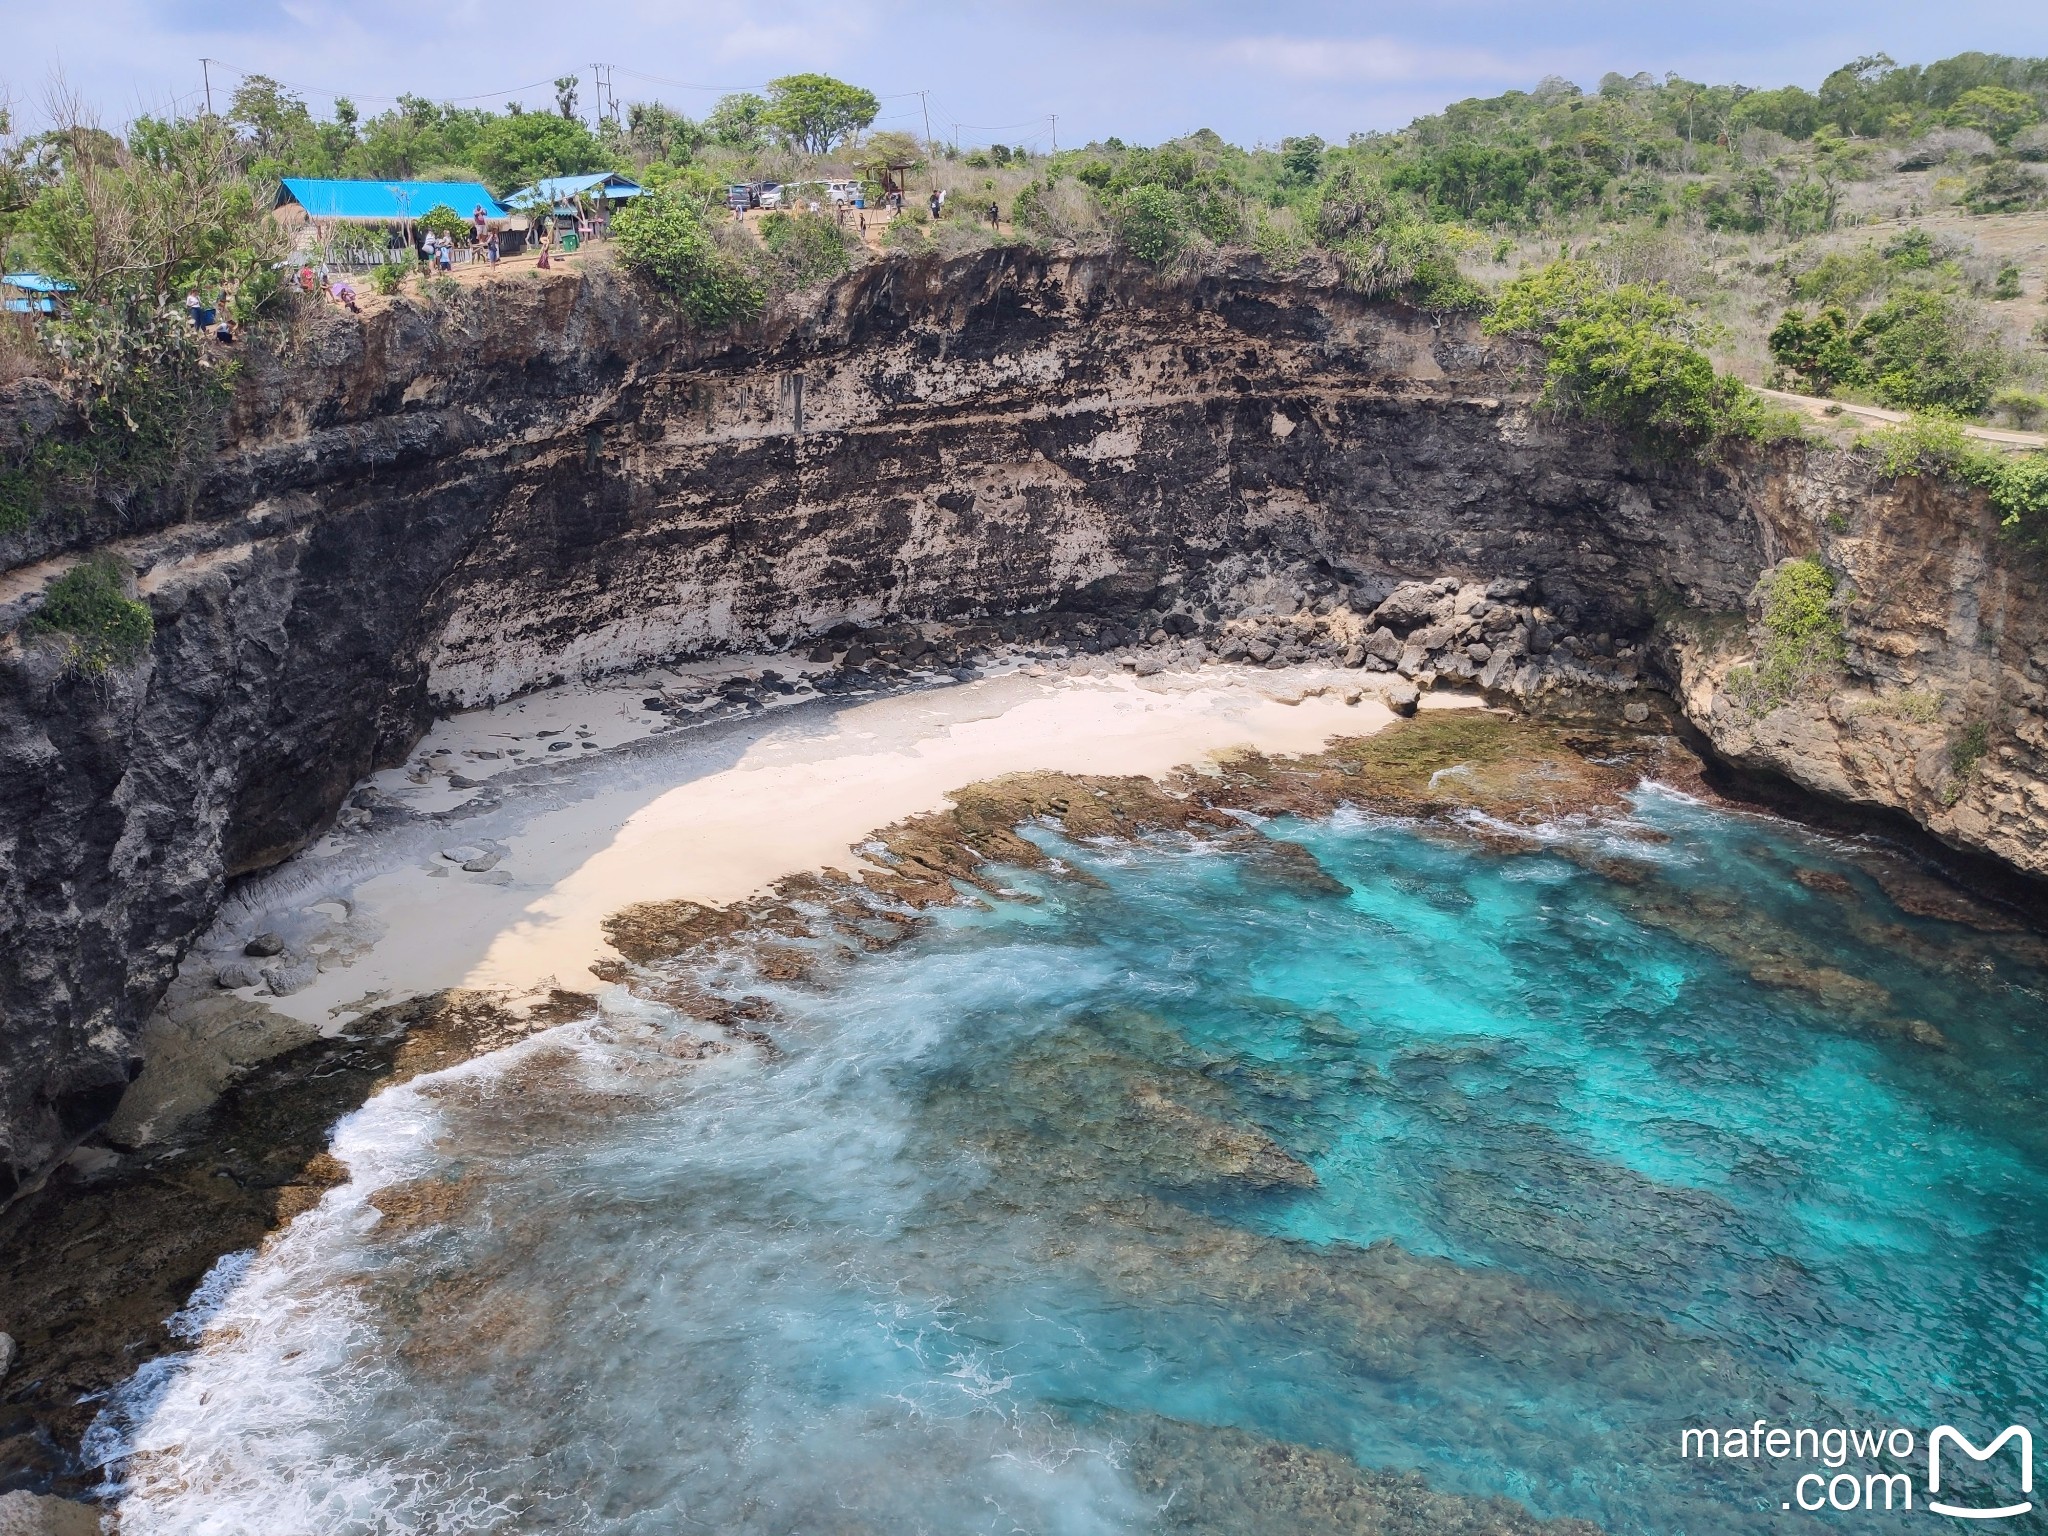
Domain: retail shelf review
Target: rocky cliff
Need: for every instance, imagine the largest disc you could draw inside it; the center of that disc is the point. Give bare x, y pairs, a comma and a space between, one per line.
547, 478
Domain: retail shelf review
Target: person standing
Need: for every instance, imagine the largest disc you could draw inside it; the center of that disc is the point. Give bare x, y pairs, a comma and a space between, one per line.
479, 223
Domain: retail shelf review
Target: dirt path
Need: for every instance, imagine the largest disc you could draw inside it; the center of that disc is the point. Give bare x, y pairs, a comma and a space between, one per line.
1814, 406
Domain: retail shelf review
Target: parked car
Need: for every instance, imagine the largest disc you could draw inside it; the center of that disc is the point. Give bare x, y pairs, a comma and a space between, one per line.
842, 191
768, 194
739, 197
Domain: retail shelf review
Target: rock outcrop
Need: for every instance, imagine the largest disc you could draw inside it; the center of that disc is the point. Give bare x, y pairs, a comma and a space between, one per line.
547, 478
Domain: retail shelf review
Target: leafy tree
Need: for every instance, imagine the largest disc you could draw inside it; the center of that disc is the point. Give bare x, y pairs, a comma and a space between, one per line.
738, 121
654, 132
814, 112
1921, 353
1995, 110
1818, 352
1626, 354
1301, 160
443, 220
518, 151
665, 237
565, 96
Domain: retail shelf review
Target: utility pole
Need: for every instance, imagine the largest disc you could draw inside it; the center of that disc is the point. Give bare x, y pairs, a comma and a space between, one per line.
930, 159
207, 76
601, 88
1055, 131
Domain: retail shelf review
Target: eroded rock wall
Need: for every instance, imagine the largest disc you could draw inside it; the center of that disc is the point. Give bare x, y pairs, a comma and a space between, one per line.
546, 479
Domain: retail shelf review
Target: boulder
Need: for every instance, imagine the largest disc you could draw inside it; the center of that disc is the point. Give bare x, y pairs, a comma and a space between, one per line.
1384, 644
461, 855
296, 976
1411, 604
237, 973
36, 1514
263, 946
481, 863
1401, 697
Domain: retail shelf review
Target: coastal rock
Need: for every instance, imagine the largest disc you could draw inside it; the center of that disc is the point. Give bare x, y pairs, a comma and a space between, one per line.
263, 946
351, 563
284, 980
33, 1514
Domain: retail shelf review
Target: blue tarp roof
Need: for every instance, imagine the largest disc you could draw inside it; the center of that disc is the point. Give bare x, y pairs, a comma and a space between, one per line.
386, 199
559, 189
35, 282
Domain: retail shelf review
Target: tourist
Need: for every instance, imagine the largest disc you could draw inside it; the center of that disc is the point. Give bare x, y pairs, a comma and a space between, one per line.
935, 207
192, 311
491, 249
444, 255
995, 215
345, 296
479, 223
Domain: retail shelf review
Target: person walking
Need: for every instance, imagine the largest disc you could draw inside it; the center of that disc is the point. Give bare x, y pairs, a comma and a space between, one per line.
491, 249
935, 207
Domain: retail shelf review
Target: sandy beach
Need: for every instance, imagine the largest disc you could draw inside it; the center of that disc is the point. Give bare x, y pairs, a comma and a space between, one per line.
720, 819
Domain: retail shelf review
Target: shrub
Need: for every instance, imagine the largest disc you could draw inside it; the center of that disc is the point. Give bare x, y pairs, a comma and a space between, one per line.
90, 608
2020, 407
1922, 352
388, 278
2015, 485
1800, 636
1151, 222
2004, 186
443, 220
806, 248
664, 237
1626, 354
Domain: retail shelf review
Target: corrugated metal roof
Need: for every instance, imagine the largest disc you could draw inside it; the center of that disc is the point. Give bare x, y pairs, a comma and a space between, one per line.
386, 199
559, 189
35, 282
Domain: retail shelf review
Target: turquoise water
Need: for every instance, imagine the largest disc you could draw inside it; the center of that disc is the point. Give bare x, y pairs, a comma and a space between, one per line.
1495, 1168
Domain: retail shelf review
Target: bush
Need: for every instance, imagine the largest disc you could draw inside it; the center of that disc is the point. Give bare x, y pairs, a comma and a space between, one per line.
443, 220
806, 248
1921, 351
1628, 355
2015, 485
388, 278
89, 606
2004, 186
1151, 222
664, 237
1800, 636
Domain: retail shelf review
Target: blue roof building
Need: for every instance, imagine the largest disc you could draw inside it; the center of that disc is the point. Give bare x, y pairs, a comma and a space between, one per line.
44, 289
560, 193
384, 200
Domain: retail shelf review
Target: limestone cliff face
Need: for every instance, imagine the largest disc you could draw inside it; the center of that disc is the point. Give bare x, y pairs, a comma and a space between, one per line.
548, 479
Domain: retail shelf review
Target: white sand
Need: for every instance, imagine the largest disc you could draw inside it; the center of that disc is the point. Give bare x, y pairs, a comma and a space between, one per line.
793, 791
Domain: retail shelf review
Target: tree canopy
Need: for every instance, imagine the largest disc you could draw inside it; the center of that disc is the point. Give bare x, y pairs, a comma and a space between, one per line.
814, 113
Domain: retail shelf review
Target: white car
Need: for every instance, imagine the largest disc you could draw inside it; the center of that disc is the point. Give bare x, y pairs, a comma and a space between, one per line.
841, 191
770, 197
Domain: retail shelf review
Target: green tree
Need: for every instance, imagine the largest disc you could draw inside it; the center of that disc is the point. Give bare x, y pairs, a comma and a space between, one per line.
565, 96
518, 151
1922, 353
1627, 354
1818, 352
814, 112
664, 236
738, 121
1301, 160
1995, 110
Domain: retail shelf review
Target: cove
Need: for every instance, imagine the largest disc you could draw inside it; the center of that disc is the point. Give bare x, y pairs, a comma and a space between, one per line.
1171, 1190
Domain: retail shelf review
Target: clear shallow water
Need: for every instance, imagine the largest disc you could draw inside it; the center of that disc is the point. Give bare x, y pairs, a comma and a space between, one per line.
1056, 1219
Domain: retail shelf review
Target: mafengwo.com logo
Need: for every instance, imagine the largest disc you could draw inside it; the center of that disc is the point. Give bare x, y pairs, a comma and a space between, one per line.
1845, 1470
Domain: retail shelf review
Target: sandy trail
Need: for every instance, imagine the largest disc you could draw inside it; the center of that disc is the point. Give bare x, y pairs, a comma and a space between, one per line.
722, 817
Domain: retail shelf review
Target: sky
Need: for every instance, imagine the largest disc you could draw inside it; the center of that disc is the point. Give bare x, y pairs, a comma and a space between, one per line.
1143, 70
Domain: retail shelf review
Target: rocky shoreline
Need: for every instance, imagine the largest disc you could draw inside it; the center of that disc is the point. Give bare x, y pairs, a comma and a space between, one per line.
97, 1260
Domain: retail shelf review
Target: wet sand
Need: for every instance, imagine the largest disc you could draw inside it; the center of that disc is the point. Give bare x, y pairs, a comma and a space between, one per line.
719, 819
